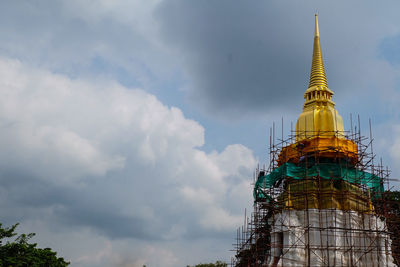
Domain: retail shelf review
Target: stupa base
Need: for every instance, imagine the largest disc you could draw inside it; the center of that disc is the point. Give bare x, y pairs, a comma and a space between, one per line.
329, 237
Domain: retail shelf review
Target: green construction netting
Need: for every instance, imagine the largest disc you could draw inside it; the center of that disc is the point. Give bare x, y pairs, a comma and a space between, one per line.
324, 170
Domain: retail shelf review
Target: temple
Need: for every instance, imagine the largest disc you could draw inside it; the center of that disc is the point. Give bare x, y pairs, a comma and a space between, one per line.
321, 201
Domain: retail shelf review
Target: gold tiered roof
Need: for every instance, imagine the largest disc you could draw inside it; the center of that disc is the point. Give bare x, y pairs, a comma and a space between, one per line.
319, 116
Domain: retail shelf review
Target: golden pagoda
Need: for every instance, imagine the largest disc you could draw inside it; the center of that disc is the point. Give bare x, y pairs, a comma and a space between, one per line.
316, 204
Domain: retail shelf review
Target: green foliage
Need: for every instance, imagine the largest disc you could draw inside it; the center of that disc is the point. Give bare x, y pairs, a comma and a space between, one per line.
20, 253
389, 207
395, 195
216, 264
393, 223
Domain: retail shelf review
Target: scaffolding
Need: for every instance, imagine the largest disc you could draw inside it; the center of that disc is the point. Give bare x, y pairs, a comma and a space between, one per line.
322, 201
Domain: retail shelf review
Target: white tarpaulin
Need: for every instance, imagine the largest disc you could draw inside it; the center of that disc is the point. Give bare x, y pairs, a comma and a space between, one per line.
329, 238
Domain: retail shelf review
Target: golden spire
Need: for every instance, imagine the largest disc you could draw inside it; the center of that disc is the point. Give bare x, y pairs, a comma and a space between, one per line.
317, 76
319, 116
316, 32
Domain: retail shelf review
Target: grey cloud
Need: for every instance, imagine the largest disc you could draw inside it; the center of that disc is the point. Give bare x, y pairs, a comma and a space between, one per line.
98, 203
237, 57
252, 56
102, 204
240, 56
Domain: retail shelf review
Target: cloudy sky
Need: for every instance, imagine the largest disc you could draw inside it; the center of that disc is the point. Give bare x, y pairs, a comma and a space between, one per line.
130, 130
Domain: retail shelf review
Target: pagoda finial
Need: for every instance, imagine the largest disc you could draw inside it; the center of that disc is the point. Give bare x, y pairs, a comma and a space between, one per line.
317, 76
316, 26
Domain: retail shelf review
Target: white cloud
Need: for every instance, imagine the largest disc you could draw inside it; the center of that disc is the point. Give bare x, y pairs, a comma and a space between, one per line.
143, 172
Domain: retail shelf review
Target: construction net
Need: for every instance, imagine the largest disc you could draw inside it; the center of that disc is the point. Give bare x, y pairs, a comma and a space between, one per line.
334, 171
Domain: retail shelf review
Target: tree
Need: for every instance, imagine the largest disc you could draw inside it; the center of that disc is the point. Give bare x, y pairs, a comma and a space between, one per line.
20, 253
389, 206
216, 264
393, 223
